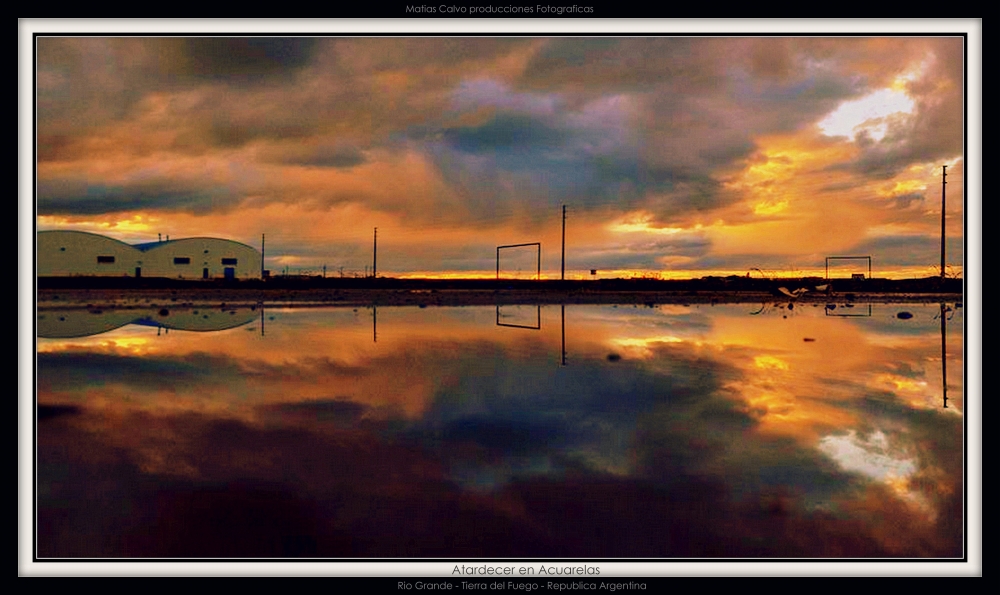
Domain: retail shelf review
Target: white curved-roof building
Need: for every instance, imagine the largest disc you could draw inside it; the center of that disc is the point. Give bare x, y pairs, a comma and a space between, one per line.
81, 254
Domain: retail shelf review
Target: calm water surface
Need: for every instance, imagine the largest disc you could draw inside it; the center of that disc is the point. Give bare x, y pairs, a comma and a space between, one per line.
577, 431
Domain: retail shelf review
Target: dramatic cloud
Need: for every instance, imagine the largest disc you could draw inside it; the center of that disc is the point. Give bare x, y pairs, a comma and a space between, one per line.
732, 140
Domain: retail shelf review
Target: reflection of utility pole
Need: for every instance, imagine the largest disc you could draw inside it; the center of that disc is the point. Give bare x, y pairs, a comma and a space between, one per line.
374, 323
944, 358
562, 311
944, 176
562, 272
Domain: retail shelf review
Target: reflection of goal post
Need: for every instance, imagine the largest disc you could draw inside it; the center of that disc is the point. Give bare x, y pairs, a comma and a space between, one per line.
538, 270
857, 259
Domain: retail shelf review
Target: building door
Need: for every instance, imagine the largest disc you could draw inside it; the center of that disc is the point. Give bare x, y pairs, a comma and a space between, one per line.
138, 272
204, 273
229, 272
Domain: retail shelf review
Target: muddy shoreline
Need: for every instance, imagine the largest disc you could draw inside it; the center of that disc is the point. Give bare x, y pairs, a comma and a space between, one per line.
50, 299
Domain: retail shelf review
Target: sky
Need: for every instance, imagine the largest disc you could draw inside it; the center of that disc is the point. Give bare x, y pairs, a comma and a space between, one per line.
674, 156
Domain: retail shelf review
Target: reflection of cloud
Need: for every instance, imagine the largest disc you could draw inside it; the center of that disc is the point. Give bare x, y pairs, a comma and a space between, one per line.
340, 446
870, 456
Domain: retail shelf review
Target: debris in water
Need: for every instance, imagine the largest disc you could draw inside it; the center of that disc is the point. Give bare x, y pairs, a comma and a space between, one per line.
614, 357
904, 315
808, 339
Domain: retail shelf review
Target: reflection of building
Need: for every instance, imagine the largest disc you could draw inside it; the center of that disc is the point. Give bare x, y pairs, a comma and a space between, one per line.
77, 253
63, 324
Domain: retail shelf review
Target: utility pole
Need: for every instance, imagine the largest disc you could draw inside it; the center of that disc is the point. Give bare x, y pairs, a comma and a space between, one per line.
375, 255
261, 256
944, 176
562, 272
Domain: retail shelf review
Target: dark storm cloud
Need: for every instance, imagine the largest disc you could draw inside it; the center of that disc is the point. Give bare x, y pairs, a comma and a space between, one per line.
631, 64
226, 133
246, 59
89, 68
325, 155
506, 132
636, 122
533, 153
80, 197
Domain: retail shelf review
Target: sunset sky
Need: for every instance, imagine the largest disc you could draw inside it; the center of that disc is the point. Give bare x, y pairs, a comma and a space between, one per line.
675, 156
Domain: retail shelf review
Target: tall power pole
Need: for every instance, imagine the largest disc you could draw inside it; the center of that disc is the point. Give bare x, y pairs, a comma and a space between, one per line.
944, 176
375, 255
261, 256
562, 272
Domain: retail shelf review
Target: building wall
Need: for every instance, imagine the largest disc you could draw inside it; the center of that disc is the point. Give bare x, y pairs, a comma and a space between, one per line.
196, 258
76, 253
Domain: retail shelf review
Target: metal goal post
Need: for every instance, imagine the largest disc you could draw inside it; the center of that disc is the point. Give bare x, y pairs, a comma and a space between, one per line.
538, 271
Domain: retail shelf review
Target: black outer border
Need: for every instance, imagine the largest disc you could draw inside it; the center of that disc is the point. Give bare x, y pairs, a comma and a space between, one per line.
537, 561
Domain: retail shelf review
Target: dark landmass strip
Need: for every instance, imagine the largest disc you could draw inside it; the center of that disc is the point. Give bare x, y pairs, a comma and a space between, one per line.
316, 291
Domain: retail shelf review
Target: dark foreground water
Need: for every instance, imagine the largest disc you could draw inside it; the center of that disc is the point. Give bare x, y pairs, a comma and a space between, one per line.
584, 431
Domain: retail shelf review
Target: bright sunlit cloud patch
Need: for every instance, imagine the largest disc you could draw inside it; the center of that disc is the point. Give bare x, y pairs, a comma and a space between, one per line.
642, 222
867, 114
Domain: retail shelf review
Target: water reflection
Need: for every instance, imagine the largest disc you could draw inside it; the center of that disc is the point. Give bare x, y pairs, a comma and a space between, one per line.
518, 319
77, 322
849, 310
678, 431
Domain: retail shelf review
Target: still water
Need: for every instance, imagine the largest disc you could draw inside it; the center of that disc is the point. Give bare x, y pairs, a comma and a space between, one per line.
576, 431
